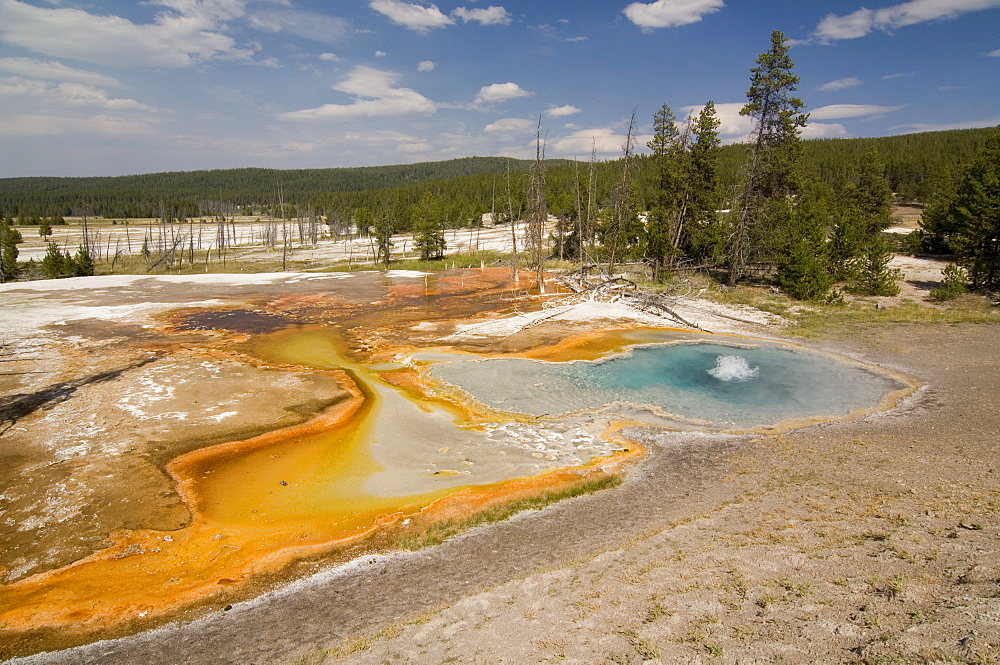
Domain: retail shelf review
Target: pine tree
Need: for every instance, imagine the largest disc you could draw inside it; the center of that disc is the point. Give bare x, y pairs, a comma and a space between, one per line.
858, 251
874, 276
9, 239
802, 270
663, 217
383, 237
975, 214
55, 264
82, 264
428, 228
705, 235
773, 171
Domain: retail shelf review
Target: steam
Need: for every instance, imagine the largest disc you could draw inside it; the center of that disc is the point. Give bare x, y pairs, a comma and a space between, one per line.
733, 368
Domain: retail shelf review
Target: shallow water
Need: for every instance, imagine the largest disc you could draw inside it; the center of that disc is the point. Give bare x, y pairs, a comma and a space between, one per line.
723, 384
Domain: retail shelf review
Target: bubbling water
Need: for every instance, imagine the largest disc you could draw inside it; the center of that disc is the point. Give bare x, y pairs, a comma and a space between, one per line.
724, 385
733, 368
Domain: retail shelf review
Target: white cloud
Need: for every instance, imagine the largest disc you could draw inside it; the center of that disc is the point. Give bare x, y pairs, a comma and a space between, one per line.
309, 25
67, 95
50, 125
489, 16
670, 13
374, 94
415, 17
820, 130
733, 127
888, 77
54, 71
330, 57
500, 92
414, 148
840, 84
510, 126
863, 21
967, 124
838, 111
561, 111
188, 34
604, 140
380, 54
994, 54
426, 66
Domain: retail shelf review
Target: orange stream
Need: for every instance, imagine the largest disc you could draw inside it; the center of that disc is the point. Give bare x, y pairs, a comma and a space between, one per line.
256, 506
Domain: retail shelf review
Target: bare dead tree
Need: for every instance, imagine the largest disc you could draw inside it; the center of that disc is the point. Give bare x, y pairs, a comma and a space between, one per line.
537, 210
513, 228
622, 203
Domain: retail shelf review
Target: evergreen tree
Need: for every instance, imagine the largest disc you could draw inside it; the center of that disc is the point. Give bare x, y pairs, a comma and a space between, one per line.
802, 270
873, 276
975, 216
82, 264
55, 264
858, 251
776, 150
383, 237
663, 217
705, 233
9, 239
936, 223
429, 231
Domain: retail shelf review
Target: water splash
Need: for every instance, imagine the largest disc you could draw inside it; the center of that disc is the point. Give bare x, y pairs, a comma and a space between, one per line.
733, 368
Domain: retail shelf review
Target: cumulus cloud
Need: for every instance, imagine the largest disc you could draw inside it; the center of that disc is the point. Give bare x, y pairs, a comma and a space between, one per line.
840, 84
561, 111
510, 126
188, 33
670, 13
994, 54
733, 127
839, 111
864, 21
374, 93
306, 24
500, 92
821, 130
426, 66
605, 140
415, 17
330, 57
489, 16
52, 70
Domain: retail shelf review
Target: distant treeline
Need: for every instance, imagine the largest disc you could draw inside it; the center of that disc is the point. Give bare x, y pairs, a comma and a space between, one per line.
914, 163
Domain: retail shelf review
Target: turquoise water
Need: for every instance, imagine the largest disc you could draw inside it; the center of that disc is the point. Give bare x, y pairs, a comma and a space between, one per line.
718, 383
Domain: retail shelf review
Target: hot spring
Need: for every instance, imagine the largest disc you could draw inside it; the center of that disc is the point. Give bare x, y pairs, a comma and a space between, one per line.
721, 384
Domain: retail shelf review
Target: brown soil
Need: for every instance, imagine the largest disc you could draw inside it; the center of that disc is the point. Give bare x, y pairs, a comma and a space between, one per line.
866, 541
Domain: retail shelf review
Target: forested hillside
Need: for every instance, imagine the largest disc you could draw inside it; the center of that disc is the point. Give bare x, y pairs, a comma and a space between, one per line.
189, 193
913, 163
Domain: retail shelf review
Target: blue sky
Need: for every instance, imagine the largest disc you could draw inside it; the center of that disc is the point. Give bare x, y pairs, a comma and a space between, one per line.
110, 87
